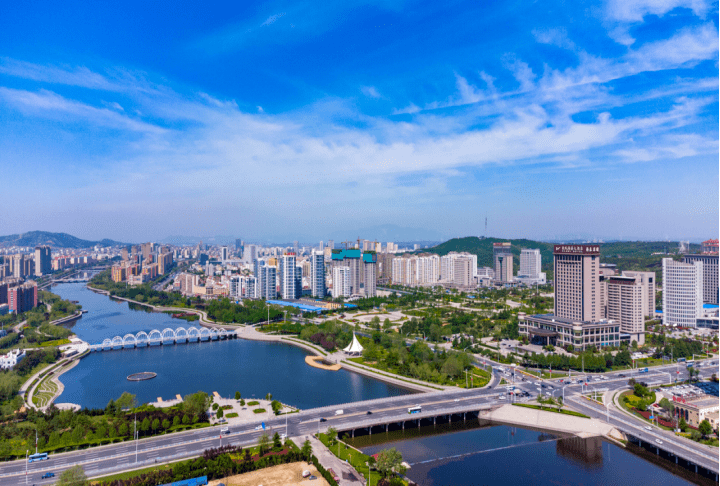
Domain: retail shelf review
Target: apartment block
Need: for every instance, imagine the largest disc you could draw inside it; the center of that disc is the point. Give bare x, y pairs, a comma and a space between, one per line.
317, 274
43, 260
463, 272
369, 267
23, 297
341, 282
626, 304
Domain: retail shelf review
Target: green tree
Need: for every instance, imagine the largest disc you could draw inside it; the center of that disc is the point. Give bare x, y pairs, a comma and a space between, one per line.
705, 428
220, 413
196, 403
124, 429
186, 419
263, 443
155, 425
242, 402
237, 395
682, 424
268, 396
276, 407
145, 424
277, 445
389, 461
176, 420
332, 434
306, 450
126, 401
75, 476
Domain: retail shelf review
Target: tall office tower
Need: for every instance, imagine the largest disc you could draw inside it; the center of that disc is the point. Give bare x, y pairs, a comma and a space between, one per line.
369, 264
502, 254
647, 282
317, 274
23, 297
626, 302
267, 288
43, 260
288, 270
710, 246
224, 253
18, 265
350, 258
577, 282
710, 274
238, 243
234, 287
530, 262
682, 292
462, 272
331, 244
341, 282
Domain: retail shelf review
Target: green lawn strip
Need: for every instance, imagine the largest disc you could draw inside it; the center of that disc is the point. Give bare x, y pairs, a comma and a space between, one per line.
231, 415
393, 377
57, 342
254, 402
259, 410
628, 407
129, 474
344, 452
555, 374
553, 410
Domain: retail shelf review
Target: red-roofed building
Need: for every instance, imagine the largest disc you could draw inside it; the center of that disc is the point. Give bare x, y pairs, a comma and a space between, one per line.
710, 246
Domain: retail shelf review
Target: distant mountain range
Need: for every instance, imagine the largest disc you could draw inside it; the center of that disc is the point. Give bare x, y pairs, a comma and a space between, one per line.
56, 240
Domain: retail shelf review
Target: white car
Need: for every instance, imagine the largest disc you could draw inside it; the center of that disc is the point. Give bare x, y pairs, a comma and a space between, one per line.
648, 427
502, 397
283, 436
259, 427
658, 441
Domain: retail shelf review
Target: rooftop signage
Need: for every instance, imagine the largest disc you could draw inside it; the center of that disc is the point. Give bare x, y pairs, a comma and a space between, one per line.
577, 249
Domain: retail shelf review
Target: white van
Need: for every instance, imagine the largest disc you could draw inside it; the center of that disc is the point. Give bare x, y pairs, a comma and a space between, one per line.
338, 412
225, 430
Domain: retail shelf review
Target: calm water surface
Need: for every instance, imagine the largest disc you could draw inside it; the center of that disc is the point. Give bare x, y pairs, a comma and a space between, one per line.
502, 455
250, 367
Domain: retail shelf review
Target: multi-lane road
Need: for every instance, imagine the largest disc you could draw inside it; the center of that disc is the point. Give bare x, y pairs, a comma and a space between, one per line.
132, 454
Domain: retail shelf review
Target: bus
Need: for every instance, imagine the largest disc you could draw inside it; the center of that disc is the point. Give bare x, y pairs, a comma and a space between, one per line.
690, 364
415, 409
37, 457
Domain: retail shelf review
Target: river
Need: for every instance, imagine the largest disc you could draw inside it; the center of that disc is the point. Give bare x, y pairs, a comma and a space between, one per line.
251, 367
470, 454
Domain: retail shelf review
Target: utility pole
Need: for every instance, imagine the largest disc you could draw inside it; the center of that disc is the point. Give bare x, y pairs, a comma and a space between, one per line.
135, 433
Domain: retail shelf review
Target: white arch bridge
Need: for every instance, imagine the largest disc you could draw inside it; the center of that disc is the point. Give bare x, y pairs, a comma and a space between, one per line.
166, 336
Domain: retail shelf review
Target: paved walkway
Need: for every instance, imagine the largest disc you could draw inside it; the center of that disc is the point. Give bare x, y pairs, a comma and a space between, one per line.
348, 475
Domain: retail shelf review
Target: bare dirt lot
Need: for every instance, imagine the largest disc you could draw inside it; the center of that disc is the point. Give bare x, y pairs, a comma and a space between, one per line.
283, 475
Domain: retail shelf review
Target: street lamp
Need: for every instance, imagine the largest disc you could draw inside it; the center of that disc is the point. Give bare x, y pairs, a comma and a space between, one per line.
26, 466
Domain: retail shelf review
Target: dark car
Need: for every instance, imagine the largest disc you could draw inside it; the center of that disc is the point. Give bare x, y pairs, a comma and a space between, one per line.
621, 375
369, 412
323, 420
311, 478
48, 475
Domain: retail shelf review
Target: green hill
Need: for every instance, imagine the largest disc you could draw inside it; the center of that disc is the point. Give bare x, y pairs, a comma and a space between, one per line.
627, 255
55, 240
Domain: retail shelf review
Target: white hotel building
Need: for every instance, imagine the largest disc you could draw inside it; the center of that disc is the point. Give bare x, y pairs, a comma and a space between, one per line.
682, 293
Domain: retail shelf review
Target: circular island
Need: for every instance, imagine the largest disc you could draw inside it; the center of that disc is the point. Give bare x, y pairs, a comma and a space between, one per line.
145, 375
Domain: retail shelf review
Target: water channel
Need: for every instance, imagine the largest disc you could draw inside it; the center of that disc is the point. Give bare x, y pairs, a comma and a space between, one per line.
253, 368
470, 454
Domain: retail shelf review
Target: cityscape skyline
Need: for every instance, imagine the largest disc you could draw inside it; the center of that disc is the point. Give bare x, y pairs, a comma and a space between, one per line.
544, 118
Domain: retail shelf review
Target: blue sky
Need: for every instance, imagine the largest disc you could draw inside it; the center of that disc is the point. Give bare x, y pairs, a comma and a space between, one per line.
296, 120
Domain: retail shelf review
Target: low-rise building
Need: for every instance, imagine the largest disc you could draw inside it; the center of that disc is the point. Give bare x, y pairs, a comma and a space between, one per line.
9, 360
548, 329
695, 410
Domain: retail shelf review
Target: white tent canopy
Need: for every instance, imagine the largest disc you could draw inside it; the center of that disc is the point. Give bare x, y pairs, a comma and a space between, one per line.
354, 346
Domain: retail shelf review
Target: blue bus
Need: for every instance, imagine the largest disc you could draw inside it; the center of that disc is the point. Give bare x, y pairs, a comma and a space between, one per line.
415, 409
38, 457
202, 480
690, 364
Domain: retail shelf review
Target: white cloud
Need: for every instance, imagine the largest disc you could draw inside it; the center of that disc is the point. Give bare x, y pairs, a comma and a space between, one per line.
370, 91
273, 18
637, 10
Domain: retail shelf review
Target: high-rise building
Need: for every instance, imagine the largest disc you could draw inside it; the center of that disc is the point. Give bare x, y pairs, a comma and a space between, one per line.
22, 298
43, 260
463, 272
18, 265
248, 288
646, 280
267, 278
503, 257
331, 244
341, 282
224, 253
317, 274
626, 301
369, 264
322, 245
710, 274
682, 292
530, 262
296, 247
234, 288
577, 283
385, 265
350, 258
147, 249
250, 253
288, 270
165, 261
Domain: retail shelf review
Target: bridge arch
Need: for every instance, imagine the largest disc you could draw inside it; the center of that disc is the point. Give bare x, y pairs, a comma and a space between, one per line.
154, 338
107, 343
181, 335
117, 342
129, 341
204, 334
141, 339
214, 334
168, 336
193, 334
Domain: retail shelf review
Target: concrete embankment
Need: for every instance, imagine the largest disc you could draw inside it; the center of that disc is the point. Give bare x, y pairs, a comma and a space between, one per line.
551, 421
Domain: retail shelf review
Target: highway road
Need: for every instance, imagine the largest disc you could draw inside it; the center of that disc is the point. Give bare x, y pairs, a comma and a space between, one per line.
123, 456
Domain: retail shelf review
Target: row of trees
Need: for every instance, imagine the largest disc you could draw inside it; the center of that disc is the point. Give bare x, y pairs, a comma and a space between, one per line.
587, 360
250, 311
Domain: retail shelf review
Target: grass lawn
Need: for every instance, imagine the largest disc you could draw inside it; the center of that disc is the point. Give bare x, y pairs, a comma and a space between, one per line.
356, 458
546, 374
130, 474
551, 409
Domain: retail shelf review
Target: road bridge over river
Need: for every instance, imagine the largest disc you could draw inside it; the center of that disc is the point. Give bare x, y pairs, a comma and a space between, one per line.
386, 414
